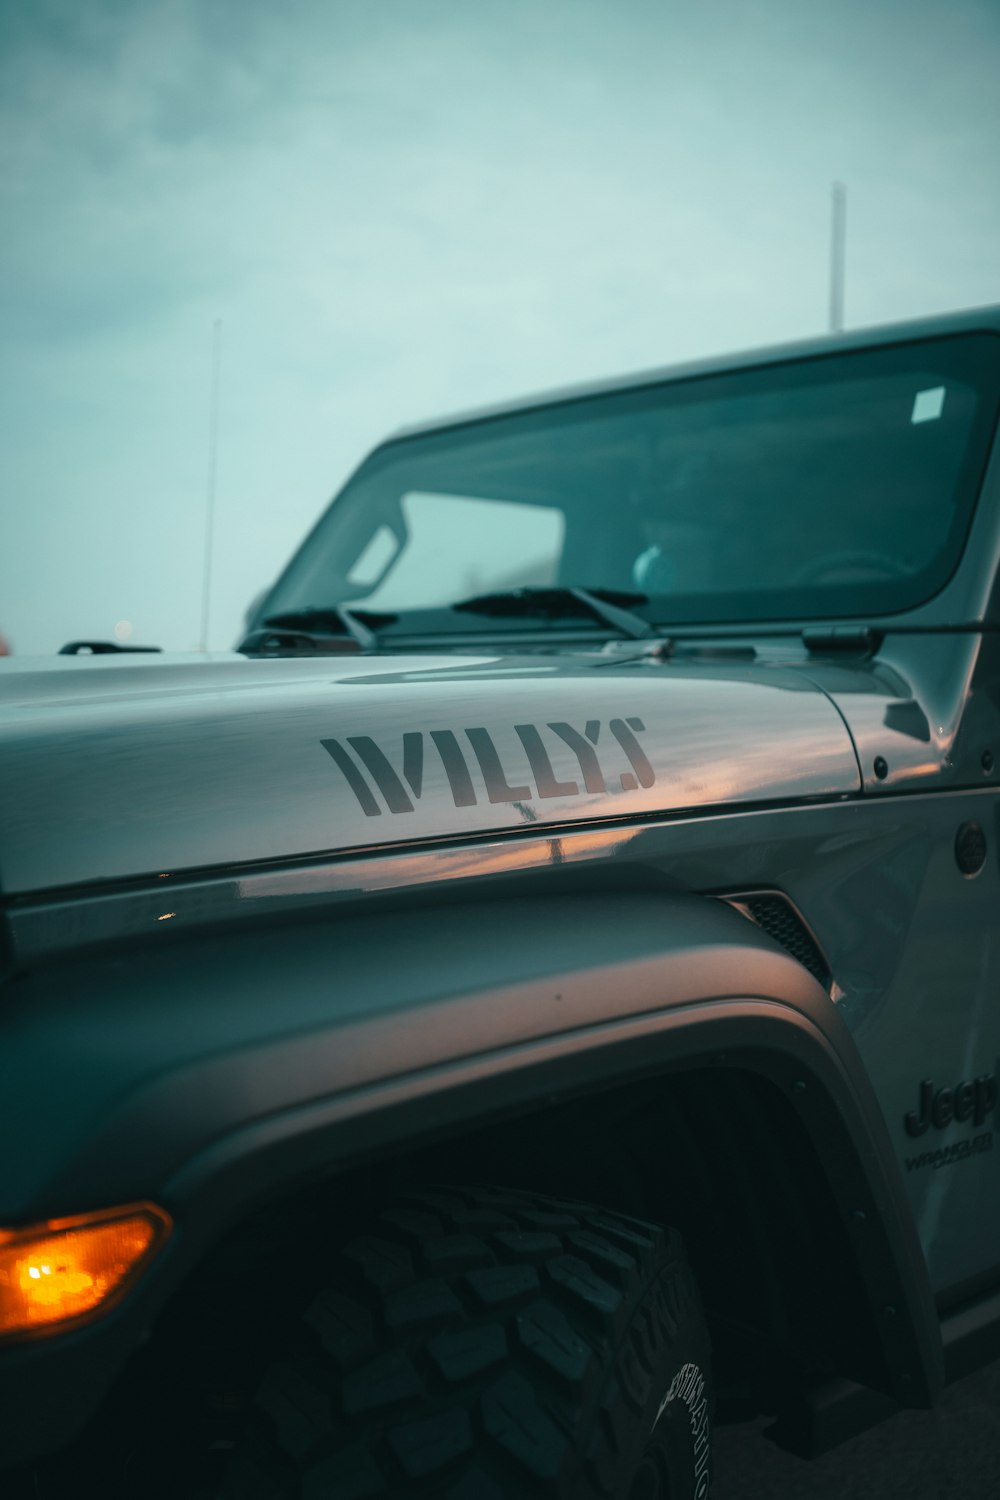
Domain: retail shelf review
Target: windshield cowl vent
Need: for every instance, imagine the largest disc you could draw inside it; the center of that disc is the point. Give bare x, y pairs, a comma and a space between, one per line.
841, 640
285, 642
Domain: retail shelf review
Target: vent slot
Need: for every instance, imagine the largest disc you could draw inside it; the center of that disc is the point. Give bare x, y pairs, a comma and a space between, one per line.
775, 915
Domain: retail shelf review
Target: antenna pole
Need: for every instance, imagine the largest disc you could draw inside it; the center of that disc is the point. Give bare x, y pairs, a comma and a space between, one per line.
213, 449
838, 243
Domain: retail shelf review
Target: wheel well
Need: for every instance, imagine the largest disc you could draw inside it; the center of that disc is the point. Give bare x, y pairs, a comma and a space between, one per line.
720, 1155
715, 1153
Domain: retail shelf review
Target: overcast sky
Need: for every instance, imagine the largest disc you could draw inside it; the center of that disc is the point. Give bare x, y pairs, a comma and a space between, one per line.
399, 208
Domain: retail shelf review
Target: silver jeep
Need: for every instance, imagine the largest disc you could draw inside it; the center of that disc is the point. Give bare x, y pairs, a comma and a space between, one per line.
559, 941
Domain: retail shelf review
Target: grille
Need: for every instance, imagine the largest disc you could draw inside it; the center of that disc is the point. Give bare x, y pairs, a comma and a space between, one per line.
776, 915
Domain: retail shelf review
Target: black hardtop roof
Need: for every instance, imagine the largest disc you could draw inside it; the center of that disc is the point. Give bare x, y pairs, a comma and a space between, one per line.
970, 320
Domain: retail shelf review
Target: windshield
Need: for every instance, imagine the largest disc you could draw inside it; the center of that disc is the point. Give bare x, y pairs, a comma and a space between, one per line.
832, 486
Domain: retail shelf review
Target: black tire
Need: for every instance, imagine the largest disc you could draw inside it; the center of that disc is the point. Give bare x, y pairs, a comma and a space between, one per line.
478, 1344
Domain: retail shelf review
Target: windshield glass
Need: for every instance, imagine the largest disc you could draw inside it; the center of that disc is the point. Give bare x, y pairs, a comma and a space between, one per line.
832, 486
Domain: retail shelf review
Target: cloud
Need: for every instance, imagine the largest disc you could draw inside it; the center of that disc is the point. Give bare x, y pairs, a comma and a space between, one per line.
406, 208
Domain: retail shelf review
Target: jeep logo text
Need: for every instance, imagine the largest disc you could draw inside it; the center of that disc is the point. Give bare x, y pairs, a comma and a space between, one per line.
971, 1100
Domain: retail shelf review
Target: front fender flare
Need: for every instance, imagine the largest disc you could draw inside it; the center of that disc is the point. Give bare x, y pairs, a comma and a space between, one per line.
217, 1073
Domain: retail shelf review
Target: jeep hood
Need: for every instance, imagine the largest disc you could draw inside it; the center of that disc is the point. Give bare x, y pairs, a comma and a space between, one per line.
113, 768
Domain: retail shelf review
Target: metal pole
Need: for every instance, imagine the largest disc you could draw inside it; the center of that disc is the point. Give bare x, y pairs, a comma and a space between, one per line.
838, 244
213, 448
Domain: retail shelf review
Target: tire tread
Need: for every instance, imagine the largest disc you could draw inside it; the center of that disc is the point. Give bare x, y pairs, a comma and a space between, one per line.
476, 1342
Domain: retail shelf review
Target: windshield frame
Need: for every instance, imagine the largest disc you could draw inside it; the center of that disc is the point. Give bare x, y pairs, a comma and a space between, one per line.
975, 351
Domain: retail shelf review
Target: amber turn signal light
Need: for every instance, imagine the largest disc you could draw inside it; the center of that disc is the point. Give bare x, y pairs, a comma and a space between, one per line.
58, 1273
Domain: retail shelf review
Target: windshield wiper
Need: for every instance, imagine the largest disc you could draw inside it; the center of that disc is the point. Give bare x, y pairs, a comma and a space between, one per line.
304, 631
605, 605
